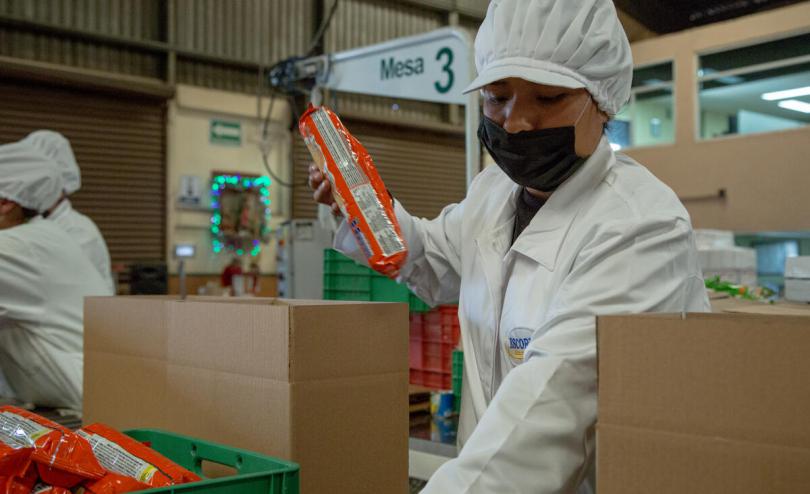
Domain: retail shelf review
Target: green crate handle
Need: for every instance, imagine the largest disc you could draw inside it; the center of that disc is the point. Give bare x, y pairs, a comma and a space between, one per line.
190, 454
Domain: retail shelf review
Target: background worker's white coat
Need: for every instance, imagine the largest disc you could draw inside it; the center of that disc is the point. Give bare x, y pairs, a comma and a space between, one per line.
612, 239
44, 277
85, 233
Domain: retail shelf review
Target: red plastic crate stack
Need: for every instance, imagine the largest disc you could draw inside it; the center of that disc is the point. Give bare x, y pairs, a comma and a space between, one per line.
434, 335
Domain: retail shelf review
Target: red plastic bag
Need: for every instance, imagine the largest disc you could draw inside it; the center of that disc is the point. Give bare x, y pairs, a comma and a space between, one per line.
124, 456
357, 187
113, 483
20, 483
62, 458
15, 465
41, 488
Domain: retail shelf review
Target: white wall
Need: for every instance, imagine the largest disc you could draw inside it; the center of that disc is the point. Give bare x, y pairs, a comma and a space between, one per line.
191, 153
749, 122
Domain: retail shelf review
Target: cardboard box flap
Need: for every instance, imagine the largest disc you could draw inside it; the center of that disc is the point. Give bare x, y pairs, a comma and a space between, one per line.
338, 341
133, 326
775, 309
739, 376
202, 335
638, 461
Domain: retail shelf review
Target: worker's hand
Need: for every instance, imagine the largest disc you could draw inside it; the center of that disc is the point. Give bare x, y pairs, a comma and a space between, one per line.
322, 189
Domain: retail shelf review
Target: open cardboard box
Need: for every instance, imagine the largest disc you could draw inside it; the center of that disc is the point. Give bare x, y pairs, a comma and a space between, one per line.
321, 383
705, 403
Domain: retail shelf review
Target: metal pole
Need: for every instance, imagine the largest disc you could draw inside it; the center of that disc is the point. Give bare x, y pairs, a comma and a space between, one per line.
181, 274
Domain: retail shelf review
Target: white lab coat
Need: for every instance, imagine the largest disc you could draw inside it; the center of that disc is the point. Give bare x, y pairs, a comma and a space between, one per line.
44, 277
612, 239
85, 233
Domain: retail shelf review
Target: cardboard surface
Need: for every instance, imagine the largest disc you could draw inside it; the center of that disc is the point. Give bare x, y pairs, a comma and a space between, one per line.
704, 403
321, 383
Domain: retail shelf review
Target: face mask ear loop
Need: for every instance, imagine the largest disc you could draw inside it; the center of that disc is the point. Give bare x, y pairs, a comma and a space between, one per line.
582, 112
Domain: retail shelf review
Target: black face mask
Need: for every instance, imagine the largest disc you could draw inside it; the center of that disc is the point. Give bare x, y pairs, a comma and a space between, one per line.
539, 159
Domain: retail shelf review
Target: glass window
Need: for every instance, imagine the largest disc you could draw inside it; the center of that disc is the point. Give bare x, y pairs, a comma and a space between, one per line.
762, 88
648, 118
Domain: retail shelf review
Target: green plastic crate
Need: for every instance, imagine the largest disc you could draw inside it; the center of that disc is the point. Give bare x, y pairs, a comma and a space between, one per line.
256, 474
458, 372
344, 279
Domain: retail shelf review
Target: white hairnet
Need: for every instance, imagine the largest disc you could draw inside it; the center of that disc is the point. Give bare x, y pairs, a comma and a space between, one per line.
55, 146
568, 43
28, 177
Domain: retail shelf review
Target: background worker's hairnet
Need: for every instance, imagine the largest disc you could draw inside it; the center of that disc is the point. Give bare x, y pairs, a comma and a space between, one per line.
568, 43
28, 177
55, 146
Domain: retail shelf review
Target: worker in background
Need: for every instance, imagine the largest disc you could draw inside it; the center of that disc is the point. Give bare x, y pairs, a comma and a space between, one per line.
255, 277
78, 226
562, 230
234, 268
44, 277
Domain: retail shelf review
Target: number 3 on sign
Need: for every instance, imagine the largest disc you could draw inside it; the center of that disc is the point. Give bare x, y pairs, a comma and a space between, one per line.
446, 54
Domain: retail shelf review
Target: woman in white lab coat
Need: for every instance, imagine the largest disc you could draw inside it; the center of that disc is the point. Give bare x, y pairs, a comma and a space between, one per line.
562, 230
80, 228
44, 277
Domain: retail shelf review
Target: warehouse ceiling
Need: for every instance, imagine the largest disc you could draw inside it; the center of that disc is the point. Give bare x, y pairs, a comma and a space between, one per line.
667, 16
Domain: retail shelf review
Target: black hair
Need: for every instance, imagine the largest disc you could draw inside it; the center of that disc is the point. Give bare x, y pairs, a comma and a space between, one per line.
29, 213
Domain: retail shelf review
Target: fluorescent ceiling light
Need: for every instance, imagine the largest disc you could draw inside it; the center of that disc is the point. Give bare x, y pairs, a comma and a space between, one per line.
789, 93
795, 105
615, 146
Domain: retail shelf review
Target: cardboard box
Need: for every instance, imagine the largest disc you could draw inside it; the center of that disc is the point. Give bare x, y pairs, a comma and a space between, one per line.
707, 403
322, 383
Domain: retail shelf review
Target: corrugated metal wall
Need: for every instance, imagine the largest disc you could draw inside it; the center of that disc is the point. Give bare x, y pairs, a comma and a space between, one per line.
258, 31
242, 31
136, 19
133, 19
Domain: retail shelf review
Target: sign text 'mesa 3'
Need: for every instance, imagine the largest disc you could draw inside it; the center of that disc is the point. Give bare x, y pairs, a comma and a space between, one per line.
432, 67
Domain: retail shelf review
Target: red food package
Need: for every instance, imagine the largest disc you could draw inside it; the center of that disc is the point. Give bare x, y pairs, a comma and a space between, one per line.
62, 458
357, 187
19, 484
41, 488
15, 465
122, 455
113, 483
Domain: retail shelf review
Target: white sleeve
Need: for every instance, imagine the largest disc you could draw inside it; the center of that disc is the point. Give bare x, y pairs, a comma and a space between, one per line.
432, 269
537, 433
19, 296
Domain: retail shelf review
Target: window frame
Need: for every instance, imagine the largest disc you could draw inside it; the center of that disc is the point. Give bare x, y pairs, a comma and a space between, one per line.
698, 79
651, 88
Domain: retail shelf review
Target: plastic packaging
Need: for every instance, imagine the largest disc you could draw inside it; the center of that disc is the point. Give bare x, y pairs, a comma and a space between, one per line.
62, 458
123, 456
41, 488
113, 483
357, 187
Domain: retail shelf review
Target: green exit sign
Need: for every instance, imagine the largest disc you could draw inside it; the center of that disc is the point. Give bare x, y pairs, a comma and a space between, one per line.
225, 133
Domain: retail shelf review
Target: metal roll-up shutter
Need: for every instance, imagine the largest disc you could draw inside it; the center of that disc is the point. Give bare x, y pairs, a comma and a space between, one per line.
423, 169
119, 143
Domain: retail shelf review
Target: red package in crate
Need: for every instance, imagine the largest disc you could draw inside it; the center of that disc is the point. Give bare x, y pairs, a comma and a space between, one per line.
113, 483
41, 488
123, 456
62, 458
